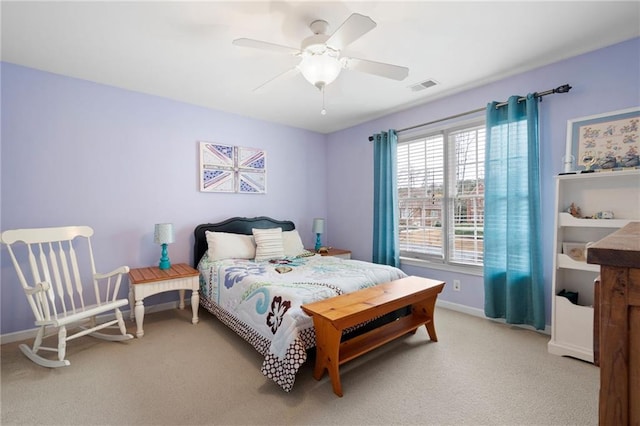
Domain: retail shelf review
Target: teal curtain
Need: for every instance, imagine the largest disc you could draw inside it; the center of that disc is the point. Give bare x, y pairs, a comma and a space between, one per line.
385, 199
513, 281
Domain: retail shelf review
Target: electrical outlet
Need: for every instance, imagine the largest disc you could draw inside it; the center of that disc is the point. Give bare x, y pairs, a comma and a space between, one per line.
456, 285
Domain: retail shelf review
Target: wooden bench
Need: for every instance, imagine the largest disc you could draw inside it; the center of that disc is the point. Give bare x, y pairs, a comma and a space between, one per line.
332, 316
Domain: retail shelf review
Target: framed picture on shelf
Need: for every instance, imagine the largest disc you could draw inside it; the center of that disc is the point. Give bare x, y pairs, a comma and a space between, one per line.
576, 251
608, 141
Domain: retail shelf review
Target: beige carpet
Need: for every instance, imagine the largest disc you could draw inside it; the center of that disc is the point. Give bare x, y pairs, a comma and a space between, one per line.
479, 373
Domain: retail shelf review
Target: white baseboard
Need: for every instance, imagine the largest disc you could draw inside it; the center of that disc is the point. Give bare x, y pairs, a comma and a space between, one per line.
480, 314
460, 308
31, 333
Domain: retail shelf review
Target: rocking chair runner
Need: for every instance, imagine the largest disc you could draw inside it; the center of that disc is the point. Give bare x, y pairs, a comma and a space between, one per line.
55, 289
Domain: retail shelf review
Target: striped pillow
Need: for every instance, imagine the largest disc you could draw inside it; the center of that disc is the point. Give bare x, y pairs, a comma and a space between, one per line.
268, 244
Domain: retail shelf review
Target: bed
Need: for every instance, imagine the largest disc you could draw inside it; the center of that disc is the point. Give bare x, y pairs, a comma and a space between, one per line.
255, 274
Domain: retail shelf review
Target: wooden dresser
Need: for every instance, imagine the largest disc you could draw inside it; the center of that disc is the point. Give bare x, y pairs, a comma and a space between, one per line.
619, 325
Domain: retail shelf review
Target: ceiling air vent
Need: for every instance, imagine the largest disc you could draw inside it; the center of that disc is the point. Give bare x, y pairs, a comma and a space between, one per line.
423, 85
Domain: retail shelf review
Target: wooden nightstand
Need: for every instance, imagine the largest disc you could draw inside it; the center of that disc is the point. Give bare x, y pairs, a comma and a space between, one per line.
145, 282
344, 254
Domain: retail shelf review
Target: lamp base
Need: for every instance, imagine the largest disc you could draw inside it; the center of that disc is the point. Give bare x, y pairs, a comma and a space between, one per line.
318, 242
164, 260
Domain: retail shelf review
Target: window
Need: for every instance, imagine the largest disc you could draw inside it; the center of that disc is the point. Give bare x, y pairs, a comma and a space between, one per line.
441, 195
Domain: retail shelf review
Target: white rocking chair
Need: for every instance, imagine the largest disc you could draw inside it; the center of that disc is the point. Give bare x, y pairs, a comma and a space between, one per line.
55, 289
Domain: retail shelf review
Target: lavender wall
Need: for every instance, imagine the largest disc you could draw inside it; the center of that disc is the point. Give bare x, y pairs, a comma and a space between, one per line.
75, 152
604, 80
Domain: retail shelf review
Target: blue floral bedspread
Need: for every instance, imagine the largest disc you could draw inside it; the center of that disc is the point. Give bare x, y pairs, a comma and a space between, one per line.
261, 301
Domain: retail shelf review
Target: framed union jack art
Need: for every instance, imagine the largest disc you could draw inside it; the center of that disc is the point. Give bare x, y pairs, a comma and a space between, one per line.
225, 168
251, 177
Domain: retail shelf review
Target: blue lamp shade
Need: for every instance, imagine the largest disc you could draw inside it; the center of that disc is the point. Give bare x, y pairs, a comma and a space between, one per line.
164, 235
318, 229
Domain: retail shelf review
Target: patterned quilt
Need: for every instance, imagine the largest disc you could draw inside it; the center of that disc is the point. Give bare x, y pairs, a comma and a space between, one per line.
261, 301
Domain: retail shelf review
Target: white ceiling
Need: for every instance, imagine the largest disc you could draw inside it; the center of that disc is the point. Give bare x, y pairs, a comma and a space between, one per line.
182, 50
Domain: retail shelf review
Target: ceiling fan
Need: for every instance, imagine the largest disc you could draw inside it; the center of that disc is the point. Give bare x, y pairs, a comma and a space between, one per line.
321, 62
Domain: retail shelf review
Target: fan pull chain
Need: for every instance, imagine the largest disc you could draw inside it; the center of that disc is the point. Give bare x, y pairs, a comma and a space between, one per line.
323, 111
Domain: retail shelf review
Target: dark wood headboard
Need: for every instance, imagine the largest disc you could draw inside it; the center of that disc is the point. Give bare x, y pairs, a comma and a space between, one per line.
235, 225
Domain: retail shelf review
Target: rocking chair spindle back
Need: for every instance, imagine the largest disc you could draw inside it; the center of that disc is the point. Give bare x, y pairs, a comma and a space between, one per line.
55, 290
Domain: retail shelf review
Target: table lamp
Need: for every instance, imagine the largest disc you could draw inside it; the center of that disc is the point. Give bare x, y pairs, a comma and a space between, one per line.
318, 229
164, 235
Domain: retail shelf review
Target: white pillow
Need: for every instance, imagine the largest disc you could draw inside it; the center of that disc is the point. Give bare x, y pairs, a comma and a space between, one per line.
268, 244
292, 243
224, 245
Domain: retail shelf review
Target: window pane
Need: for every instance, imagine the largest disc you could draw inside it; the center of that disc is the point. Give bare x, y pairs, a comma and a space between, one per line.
421, 227
421, 191
467, 196
441, 195
467, 238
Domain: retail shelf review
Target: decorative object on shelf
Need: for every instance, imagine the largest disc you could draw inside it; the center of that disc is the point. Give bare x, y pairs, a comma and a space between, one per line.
568, 164
164, 235
225, 168
574, 211
576, 251
318, 229
607, 214
607, 141
631, 159
607, 162
588, 160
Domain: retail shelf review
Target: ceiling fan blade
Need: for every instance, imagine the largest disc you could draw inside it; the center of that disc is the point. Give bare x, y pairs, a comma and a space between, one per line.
394, 72
263, 45
287, 74
352, 29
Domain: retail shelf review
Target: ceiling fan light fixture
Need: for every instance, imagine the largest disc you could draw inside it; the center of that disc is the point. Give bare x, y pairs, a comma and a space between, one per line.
320, 59
320, 69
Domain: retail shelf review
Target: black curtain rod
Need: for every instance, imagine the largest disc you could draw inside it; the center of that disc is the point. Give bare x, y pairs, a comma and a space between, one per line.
561, 89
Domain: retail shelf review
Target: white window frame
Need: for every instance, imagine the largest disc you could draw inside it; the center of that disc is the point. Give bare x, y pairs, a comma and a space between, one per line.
444, 262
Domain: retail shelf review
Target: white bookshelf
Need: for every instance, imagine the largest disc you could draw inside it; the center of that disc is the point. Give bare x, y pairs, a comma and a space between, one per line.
616, 191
